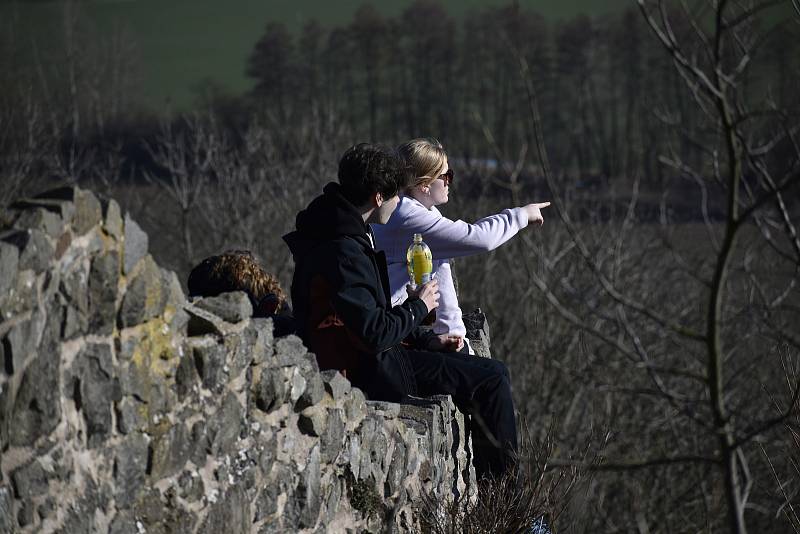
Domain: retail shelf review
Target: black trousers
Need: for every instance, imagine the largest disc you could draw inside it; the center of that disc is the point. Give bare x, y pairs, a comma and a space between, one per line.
480, 387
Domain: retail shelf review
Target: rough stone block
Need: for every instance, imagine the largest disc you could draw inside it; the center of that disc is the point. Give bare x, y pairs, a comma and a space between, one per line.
103, 281
112, 218
282, 481
95, 390
232, 307
130, 415
396, 472
130, 466
278, 482
37, 406
374, 448
123, 523
136, 243
210, 363
88, 212
289, 350
25, 513
313, 392
332, 497
149, 509
387, 410
308, 494
312, 421
64, 208
240, 347
186, 375
9, 264
175, 300
21, 298
169, 452
297, 384
478, 332
62, 244
201, 442
30, 480
335, 384
35, 249
191, 486
73, 288
270, 390
19, 343
262, 349
332, 438
226, 425
355, 407
202, 322
75, 323
41, 219
231, 513
145, 297
46, 509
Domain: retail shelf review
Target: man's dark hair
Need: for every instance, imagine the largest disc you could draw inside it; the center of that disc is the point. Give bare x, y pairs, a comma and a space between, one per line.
366, 169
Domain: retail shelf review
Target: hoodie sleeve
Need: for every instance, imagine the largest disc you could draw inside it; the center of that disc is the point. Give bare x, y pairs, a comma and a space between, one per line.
452, 239
354, 300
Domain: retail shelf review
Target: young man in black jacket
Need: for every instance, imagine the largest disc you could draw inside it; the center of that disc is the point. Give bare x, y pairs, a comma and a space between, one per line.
340, 294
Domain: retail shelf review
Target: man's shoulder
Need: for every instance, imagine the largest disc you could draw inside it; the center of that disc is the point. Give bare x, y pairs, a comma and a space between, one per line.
341, 249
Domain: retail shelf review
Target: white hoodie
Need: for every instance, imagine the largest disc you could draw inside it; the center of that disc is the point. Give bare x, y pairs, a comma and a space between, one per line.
447, 239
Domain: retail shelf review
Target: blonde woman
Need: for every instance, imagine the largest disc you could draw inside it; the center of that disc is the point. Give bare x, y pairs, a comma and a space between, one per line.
447, 239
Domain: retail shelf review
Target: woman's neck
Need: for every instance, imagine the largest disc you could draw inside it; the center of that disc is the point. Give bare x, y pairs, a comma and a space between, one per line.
422, 198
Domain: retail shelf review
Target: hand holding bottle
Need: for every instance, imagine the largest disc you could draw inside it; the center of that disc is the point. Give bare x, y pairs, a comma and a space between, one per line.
427, 292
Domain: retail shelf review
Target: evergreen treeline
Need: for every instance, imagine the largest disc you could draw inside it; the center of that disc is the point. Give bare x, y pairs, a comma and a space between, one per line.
610, 98
608, 92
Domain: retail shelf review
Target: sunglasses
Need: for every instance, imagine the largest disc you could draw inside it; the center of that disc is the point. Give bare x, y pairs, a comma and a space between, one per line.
446, 177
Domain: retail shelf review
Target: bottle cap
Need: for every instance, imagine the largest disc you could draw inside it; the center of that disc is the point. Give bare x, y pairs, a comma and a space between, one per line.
417, 238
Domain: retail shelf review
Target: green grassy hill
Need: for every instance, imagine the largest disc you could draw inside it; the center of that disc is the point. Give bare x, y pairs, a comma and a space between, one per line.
183, 42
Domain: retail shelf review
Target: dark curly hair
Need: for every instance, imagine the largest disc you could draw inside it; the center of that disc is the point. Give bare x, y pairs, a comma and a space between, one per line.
366, 169
237, 270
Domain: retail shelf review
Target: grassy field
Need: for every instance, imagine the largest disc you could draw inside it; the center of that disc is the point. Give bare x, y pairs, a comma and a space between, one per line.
184, 42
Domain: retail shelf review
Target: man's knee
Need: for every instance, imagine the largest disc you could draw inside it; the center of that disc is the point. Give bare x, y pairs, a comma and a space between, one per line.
500, 368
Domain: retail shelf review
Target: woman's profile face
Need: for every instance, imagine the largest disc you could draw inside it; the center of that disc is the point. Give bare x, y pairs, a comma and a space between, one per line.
439, 190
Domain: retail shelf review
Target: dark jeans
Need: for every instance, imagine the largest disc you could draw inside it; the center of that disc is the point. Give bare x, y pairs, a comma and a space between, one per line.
480, 387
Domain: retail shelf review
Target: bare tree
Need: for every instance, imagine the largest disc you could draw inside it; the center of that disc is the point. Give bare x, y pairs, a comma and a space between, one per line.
697, 334
185, 150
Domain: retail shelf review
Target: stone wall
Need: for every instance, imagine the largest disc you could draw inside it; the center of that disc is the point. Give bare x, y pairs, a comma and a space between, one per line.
125, 408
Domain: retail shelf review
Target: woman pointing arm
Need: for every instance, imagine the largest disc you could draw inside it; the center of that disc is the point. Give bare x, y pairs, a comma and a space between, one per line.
417, 213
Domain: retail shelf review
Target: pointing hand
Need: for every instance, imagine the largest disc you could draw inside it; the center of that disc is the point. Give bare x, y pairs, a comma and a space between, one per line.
534, 212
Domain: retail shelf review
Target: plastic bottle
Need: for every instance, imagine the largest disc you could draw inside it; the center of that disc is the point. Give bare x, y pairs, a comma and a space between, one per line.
420, 261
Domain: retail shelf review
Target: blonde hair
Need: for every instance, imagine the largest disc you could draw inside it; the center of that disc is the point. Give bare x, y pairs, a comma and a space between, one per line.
425, 157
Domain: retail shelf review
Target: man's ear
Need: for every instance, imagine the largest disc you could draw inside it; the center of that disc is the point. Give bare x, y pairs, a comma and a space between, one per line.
378, 199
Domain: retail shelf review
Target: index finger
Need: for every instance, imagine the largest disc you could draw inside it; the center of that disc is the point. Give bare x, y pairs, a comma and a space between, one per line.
542, 204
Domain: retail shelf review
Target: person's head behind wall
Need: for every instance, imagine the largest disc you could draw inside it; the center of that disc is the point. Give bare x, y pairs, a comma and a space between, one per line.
371, 175
237, 270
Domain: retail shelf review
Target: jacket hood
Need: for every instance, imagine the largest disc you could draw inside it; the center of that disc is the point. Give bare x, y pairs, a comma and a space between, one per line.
329, 216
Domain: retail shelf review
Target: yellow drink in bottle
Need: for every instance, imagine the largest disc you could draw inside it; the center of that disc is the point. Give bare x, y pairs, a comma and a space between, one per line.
420, 261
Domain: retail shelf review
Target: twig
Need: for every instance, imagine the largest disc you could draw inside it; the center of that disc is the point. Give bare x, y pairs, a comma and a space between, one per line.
604, 282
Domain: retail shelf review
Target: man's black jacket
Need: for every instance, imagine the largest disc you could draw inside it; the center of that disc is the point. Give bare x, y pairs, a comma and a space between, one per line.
340, 294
